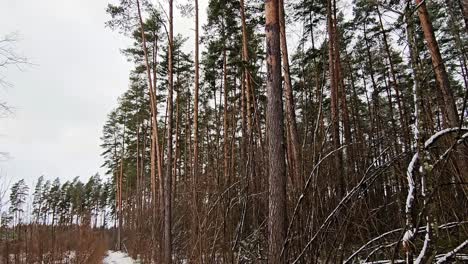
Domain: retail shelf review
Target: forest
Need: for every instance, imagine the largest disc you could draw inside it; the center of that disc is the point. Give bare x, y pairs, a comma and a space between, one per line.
301, 131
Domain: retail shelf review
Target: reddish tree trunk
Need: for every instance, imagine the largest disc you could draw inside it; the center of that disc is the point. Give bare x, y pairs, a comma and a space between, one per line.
275, 130
450, 110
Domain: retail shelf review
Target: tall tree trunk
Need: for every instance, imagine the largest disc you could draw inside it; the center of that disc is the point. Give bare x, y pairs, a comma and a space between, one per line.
138, 183
343, 104
450, 111
417, 92
195, 175
225, 148
156, 155
275, 130
248, 89
245, 84
334, 99
248, 112
158, 151
120, 215
225, 118
290, 112
374, 102
399, 100
176, 141
451, 118
168, 178
142, 173
247, 76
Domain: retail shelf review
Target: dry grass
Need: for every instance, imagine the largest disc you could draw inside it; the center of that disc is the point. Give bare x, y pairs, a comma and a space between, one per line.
44, 244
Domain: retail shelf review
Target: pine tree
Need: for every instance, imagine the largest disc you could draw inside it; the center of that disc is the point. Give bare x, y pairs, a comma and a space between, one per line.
38, 199
449, 108
202, 165
53, 200
18, 195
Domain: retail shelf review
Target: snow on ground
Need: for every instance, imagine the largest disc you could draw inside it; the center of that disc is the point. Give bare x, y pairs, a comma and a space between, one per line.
117, 257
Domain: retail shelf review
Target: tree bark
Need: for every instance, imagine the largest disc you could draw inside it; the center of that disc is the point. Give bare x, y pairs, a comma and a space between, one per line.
399, 100
290, 112
225, 119
334, 99
156, 155
195, 174
120, 215
275, 130
168, 176
343, 105
247, 77
450, 111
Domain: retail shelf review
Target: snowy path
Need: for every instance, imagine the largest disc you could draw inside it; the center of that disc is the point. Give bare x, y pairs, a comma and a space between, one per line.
117, 257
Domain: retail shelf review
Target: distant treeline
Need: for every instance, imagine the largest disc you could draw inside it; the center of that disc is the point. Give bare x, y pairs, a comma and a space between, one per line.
60, 204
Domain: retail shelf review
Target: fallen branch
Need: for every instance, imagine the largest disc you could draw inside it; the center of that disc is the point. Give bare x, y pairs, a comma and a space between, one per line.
453, 252
420, 230
345, 199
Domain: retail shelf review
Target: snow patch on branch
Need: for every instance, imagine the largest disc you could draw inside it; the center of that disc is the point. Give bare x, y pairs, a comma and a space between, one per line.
411, 184
437, 135
463, 137
453, 252
368, 243
408, 235
424, 248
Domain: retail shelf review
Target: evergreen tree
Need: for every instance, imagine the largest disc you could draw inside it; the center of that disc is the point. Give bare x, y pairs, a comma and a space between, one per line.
38, 199
18, 195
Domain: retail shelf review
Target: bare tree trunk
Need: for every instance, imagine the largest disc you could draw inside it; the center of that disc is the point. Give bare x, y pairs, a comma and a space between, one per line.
343, 112
158, 150
155, 149
399, 100
275, 130
168, 178
138, 183
450, 111
119, 230
245, 83
247, 76
409, 251
176, 142
225, 147
374, 102
463, 4
195, 176
290, 112
225, 118
451, 118
334, 99
142, 173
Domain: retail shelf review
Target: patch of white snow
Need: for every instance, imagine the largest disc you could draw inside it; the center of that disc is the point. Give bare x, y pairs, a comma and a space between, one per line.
117, 257
408, 235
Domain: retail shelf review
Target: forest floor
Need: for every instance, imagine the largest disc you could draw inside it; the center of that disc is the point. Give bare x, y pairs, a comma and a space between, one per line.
117, 257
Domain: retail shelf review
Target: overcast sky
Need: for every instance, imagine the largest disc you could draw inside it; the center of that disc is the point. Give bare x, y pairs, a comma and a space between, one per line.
61, 102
